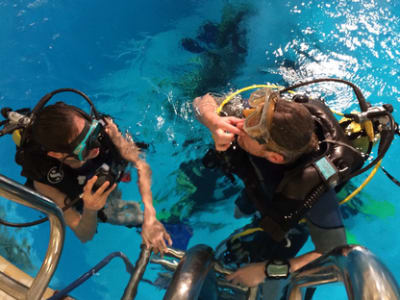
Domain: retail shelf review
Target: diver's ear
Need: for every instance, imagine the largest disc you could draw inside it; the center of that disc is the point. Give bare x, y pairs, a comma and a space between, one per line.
275, 157
57, 155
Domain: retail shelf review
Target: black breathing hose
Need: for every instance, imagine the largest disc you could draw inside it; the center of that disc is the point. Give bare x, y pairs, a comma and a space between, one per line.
360, 97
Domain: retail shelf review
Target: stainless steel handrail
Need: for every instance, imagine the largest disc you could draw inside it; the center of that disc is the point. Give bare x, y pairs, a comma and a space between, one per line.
190, 274
363, 275
137, 274
172, 265
16, 192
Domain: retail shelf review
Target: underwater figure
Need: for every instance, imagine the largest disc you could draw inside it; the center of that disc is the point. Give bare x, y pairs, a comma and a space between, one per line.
191, 45
208, 33
221, 49
197, 185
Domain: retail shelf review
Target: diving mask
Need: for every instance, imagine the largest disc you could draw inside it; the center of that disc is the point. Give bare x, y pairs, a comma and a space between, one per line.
259, 118
87, 140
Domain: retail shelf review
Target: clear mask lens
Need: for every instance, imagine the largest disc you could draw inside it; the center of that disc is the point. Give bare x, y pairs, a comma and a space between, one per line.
258, 122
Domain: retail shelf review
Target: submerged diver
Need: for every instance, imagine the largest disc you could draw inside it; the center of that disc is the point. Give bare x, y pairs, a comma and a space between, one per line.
275, 147
77, 160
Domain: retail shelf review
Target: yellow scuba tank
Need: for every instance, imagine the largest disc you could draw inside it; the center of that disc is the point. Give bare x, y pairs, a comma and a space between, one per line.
15, 122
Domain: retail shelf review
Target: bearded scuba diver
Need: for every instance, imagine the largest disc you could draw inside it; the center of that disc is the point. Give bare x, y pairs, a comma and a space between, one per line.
280, 196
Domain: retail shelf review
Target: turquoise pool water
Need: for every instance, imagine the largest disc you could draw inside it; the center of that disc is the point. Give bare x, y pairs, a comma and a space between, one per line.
128, 57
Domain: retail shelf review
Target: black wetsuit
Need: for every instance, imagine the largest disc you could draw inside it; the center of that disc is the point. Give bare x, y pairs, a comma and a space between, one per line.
261, 178
38, 166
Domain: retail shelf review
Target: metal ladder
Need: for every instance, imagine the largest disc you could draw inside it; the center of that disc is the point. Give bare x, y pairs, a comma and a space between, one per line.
361, 272
16, 192
16, 289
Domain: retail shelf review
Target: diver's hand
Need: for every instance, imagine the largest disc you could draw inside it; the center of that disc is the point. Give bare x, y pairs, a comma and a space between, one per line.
154, 235
112, 130
250, 275
95, 200
223, 130
126, 147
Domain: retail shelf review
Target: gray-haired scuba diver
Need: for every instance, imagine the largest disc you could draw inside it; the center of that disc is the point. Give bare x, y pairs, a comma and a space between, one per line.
77, 160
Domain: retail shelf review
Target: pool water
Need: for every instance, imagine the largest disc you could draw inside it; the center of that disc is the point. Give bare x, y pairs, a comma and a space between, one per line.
131, 59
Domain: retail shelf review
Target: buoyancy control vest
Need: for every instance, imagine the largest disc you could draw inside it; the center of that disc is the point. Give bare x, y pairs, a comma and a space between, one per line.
302, 183
38, 166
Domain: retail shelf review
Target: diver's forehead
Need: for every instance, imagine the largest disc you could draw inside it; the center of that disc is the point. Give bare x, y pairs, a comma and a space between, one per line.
79, 124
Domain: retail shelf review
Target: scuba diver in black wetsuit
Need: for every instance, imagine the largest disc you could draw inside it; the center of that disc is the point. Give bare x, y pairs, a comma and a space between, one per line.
291, 153
77, 159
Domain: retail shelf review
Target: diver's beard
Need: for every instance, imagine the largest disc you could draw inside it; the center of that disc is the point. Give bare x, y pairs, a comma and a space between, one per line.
256, 149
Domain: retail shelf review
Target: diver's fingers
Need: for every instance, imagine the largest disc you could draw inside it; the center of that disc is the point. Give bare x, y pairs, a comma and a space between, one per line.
148, 245
89, 184
232, 277
168, 238
158, 249
222, 147
101, 189
110, 122
240, 126
226, 126
234, 120
162, 246
223, 137
235, 278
